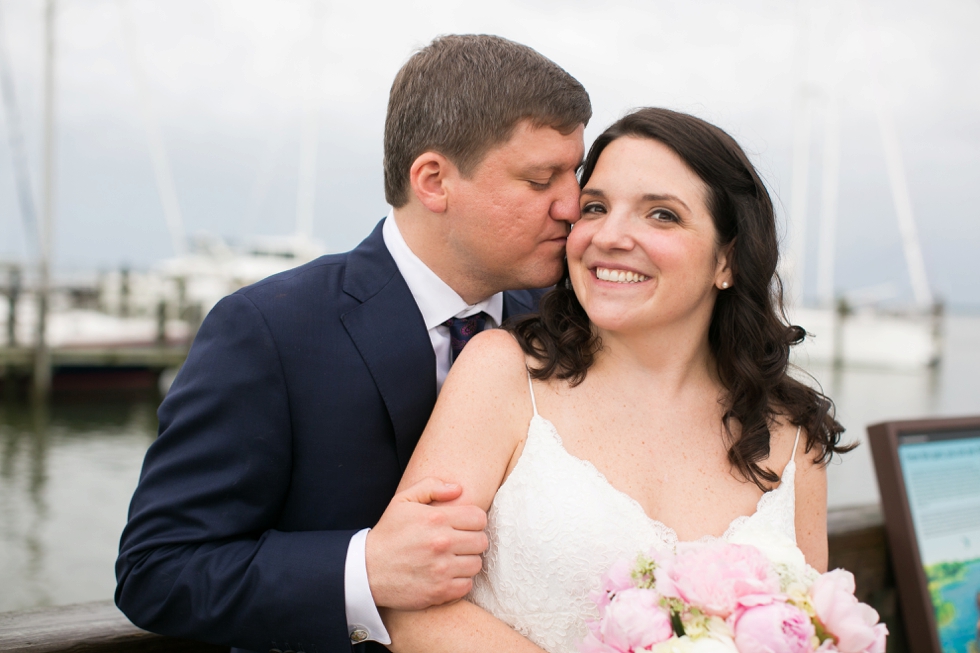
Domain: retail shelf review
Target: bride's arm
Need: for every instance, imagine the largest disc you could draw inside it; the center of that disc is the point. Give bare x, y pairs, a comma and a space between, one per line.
811, 508
460, 627
472, 439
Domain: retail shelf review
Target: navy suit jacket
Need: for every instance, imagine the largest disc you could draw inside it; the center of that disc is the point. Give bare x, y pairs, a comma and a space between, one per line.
286, 431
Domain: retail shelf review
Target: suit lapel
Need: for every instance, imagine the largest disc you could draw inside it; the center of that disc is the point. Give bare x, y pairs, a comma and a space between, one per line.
388, 331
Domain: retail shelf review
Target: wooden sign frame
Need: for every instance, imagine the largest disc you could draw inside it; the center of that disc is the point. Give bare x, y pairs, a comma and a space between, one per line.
918, 612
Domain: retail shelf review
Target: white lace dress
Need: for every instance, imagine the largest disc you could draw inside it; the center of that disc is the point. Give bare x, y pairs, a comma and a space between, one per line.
556, 525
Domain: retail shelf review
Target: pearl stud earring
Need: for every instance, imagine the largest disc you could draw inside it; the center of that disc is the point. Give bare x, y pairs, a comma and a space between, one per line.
724, 284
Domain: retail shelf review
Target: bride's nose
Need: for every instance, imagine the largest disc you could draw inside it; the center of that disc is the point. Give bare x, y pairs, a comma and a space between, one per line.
614, 232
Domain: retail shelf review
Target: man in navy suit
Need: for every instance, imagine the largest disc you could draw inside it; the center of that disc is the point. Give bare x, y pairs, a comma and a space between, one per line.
266, 516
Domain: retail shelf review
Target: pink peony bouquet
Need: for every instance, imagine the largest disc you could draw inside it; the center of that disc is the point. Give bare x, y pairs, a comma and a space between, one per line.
716, 597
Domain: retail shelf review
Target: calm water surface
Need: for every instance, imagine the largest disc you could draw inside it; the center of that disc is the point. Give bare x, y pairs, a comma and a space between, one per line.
66, 475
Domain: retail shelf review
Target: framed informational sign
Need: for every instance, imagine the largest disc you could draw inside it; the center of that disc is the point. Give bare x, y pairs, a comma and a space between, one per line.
929, 477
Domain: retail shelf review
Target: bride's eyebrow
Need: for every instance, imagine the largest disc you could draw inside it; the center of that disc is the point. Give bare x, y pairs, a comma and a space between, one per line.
655, 197
648, 197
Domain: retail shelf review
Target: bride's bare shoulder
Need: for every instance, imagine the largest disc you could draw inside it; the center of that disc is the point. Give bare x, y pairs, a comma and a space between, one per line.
491, 365
494, 355
493, 344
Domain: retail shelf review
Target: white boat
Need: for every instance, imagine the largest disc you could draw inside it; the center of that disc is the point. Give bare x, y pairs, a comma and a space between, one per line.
868, 337
859, 331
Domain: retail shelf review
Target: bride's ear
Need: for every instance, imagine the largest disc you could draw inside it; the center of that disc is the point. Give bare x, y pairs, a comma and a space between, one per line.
724, 277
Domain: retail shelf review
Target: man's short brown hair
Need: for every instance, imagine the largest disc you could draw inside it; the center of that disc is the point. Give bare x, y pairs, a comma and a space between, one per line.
464, 94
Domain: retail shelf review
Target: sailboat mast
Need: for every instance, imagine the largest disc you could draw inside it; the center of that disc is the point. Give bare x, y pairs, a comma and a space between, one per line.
310, 131
830, 183
794, 268
901, 197
162, 172
42, 356
903, 207
18, 148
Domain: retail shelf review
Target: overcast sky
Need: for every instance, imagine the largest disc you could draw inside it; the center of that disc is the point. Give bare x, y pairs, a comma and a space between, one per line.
229, 79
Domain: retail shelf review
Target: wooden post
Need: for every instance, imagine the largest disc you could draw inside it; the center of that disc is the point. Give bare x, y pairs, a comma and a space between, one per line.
13, 294
162, 322
841, 313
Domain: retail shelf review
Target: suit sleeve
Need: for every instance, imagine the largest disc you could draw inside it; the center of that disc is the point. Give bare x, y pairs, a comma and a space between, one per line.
201, 557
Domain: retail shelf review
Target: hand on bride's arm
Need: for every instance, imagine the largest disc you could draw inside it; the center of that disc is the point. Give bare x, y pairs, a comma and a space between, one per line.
472, 440
420, 554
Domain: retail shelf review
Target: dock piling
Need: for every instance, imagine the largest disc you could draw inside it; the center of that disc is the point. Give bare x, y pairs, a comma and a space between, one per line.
13, 294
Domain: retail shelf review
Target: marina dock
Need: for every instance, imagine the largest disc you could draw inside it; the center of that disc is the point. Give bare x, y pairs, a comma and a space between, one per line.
20, 360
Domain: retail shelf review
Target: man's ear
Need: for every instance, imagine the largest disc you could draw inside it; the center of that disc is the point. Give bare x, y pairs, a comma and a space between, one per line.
429, 175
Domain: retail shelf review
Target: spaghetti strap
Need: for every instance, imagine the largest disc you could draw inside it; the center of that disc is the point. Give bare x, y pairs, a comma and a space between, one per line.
795, 442
530, 387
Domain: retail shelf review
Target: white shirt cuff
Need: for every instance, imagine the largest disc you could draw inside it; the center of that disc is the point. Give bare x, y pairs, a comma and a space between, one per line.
363, 621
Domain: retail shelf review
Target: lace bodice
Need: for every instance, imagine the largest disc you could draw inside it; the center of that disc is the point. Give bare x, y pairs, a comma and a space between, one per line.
556, 525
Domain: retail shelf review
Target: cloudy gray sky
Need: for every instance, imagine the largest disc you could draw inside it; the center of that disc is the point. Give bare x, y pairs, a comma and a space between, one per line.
229, 80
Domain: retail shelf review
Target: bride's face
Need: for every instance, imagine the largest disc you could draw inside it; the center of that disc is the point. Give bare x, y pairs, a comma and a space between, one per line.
644, 253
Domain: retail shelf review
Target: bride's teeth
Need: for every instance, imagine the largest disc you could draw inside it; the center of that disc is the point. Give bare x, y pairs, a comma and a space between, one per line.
619, 276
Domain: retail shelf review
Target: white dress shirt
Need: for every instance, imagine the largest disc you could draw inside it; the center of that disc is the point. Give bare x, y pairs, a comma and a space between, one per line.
437, 303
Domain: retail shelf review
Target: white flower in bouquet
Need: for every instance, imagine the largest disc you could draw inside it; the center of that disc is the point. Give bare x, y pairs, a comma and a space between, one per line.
706, 644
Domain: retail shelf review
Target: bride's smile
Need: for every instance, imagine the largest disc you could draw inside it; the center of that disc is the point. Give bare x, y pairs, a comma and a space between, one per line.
645, 252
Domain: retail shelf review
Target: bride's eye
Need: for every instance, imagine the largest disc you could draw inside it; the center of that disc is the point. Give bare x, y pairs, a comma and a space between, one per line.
663, 215
593, 208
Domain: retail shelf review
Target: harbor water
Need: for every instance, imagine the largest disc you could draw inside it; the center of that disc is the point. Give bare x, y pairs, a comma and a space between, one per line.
67, 472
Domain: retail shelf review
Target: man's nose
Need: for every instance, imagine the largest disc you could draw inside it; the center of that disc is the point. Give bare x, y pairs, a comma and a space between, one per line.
565, 207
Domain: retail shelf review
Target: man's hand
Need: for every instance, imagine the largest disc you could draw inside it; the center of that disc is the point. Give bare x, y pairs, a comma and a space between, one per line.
419, 555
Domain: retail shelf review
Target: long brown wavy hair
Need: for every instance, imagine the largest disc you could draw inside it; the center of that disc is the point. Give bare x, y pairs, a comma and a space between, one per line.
749, 336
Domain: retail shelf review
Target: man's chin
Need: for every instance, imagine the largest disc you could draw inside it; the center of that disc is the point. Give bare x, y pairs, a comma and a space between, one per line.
539, 279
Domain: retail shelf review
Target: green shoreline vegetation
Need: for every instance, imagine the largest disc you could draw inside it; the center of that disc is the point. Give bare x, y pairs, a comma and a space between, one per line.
939, 576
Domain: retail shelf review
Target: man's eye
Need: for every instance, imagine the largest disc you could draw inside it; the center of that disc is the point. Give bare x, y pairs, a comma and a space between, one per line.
539, 185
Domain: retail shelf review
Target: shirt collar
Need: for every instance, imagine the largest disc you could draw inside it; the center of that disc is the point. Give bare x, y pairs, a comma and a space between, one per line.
436, 300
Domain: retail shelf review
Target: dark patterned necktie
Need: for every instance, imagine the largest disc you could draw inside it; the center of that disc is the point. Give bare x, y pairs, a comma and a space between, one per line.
461, 329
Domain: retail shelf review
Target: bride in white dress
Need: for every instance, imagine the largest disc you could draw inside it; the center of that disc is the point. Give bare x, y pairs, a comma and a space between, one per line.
648, 404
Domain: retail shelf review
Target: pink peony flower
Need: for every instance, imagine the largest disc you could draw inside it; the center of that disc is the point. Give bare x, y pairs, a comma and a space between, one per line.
772, 626
881, 640
716, 575
593, 643
854, 625
634, 620
618, 578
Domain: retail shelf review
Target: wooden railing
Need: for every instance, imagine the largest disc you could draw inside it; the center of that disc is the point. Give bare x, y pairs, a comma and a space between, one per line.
86, 628
857, 543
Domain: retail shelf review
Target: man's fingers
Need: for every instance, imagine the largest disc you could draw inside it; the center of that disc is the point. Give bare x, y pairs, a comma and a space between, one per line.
467, 566
456, 589
465, 518
469, 543
430, 489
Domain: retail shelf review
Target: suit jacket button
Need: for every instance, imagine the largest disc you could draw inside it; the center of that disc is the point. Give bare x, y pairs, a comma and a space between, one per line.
359, 635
